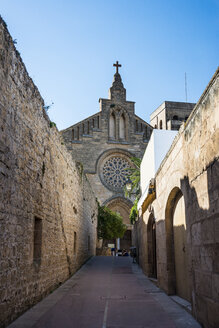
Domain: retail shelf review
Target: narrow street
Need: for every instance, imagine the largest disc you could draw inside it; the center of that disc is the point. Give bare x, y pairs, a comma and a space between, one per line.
107, 292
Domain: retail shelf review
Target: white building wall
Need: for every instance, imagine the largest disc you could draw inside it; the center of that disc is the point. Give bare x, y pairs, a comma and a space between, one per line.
156, 150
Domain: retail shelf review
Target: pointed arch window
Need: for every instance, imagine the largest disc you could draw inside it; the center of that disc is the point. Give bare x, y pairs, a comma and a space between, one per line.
112, 126
146, 132
122, 127
73, 134
161, 124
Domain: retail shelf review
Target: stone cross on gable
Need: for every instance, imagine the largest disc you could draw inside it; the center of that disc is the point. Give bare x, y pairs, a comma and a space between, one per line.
117, 65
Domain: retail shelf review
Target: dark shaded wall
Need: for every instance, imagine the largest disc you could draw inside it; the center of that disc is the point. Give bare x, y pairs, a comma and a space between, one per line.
191, 169
47, 208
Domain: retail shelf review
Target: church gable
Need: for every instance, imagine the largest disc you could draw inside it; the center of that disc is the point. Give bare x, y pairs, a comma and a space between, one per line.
115, 123
85, 128
142, 128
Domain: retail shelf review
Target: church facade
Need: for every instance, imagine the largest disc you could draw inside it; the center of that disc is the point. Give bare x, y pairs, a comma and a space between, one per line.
104, 143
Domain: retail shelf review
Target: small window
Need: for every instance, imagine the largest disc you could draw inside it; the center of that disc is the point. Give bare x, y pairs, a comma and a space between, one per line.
155, 126
122, 127
83, 128
136, 125
93, 122
175, 118
78, 132
88, 242
37, 247
73, 134
146, 132
98, 122
161, 124
141, 127
75, 242
112, 126
88, 127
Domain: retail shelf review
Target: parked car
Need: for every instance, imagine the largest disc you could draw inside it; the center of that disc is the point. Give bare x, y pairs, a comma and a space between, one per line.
119, 252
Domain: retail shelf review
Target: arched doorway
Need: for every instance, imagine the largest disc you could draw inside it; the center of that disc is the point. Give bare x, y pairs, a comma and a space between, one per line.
180, 250
152, 254
122, 206
177, 258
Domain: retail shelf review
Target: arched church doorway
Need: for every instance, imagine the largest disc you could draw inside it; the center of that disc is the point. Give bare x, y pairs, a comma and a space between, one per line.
177, 258
151, 244
122, 206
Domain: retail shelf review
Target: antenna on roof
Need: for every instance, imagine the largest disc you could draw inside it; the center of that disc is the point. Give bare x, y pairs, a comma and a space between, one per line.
186, 86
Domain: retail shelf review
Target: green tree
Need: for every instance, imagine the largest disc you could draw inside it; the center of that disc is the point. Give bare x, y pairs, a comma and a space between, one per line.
110, 225
134, 177
134, 212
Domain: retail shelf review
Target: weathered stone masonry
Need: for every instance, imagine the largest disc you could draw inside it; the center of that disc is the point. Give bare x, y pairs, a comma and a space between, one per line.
189, 172
47, 208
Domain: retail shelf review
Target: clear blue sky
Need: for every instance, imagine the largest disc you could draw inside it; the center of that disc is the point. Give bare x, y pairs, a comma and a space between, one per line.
69, 48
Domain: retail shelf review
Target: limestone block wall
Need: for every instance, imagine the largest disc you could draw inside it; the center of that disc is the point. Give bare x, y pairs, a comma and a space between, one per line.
189, 170
48, 212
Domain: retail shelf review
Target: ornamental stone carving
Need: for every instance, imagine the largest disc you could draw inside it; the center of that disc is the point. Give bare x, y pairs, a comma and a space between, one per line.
115, 172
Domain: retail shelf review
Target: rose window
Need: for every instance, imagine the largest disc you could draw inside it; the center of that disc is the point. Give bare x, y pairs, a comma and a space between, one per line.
115, 172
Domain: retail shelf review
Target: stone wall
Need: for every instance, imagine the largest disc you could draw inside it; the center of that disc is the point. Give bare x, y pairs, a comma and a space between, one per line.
190, 171
48, 211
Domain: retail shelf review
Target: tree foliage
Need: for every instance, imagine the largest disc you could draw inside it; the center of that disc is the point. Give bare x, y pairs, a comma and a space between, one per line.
134, 177
134, 212
110, 225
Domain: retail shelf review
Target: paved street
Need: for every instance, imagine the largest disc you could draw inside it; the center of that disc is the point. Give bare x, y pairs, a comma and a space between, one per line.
107, 292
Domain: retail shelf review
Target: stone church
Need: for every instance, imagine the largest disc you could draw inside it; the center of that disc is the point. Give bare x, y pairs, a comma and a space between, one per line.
105, 142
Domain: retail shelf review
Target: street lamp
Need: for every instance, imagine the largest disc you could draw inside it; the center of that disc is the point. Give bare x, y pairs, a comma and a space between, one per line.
128, 185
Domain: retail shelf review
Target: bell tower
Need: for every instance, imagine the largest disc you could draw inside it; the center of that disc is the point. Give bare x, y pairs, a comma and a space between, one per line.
117, 92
